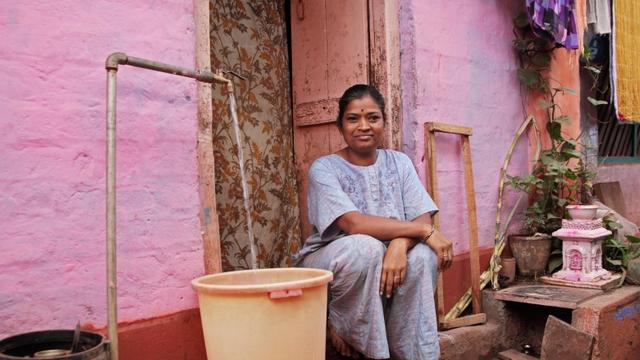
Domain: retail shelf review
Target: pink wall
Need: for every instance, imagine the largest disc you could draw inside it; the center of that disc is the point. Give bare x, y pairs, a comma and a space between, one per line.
627, 175
458, 67
52, 91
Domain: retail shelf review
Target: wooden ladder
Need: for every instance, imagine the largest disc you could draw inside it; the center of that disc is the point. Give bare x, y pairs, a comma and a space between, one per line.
430, 128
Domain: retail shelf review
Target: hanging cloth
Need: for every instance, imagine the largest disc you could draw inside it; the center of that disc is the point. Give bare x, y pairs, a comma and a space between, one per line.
625, 59
556, 18
599, 16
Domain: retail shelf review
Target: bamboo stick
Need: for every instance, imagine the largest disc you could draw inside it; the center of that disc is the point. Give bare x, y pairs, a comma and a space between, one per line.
494, 265
474, 257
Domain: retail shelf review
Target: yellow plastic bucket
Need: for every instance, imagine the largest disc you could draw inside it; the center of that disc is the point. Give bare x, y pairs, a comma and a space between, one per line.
267, 314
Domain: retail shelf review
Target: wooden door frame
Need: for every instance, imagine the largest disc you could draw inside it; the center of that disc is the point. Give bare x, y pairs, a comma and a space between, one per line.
384, 63
206, 163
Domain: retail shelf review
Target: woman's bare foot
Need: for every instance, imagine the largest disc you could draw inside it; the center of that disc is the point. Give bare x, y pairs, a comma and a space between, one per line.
340, 345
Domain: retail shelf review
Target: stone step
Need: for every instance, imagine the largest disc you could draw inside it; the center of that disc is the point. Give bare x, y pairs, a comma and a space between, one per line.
513, 354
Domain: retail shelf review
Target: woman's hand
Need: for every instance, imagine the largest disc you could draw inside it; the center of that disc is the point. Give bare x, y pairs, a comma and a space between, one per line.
443, 248
394, 265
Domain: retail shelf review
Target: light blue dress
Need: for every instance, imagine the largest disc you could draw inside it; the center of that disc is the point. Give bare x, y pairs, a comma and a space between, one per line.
404, 326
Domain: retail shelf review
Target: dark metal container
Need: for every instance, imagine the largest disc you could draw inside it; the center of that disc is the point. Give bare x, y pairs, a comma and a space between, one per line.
54, 345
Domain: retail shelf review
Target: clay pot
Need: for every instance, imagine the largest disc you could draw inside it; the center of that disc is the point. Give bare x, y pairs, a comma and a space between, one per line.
582, 212
531, 253
508, 269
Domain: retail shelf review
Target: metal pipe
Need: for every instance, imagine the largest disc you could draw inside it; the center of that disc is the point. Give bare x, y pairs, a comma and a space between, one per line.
111, 65
201, 75
112, 295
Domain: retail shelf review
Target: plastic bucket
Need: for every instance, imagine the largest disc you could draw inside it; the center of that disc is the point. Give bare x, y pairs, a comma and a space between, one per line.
277, 314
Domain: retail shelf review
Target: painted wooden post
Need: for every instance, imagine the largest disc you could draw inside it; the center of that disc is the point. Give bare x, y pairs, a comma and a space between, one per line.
206, 162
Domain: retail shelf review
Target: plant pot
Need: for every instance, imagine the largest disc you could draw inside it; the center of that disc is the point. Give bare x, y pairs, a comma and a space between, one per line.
508, 269
582, 212
531, 253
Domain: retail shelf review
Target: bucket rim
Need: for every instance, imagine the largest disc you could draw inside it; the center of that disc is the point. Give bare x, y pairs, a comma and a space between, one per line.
322, 277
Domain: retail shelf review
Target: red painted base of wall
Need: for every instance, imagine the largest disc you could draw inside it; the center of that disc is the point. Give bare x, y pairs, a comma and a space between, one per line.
169, 337
175, 336
179, 335
458, 278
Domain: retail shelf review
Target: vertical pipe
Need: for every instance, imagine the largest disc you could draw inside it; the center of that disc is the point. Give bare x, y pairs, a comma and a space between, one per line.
112, 307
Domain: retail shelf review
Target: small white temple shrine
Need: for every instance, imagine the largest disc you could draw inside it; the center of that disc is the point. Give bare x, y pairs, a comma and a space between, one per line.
582, 250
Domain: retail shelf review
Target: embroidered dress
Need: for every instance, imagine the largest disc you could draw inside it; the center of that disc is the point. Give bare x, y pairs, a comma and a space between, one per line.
404, 326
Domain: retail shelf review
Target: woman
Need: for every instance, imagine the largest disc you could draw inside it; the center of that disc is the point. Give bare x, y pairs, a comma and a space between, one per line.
372, 229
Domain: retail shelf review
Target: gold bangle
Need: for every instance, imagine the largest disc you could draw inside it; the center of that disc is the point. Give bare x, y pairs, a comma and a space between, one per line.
428, 235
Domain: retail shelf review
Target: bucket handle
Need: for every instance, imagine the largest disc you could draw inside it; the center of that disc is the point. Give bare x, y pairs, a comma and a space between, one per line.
282, 294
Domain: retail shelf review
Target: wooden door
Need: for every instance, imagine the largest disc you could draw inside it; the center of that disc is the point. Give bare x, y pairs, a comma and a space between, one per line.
336, 44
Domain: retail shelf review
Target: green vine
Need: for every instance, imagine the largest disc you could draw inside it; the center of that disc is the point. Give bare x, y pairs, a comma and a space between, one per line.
561, 176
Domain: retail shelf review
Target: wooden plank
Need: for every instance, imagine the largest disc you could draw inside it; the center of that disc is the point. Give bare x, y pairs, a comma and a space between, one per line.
610, 194
599, 285
432, 179
468, 320
563, 341
316, 112
474, 255
347, 42
547, 295
384, 63
309, 66
448, 128
310, 143
432, 184
206, 163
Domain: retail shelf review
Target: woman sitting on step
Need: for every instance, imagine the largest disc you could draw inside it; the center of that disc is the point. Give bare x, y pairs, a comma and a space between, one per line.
372, 229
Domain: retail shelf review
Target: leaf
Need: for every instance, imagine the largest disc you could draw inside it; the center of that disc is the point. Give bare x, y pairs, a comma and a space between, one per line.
595, 102
563, 119
593, 69
554, 130
612, 225
545, 104
614, 262
554, 263
572, 153
521, 21
633, 239
565, 89
528, 77
541, 59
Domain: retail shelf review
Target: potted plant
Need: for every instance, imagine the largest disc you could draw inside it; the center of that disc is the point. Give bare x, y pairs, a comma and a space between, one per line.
582, 187
560, 176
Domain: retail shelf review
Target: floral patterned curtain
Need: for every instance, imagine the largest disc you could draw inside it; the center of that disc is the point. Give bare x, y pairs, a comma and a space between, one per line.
250, 38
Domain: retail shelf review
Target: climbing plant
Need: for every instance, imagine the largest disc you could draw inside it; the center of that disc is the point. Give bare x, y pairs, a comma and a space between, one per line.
561, 175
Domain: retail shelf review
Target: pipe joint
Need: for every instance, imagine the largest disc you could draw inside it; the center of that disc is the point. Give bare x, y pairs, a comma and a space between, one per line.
114, 59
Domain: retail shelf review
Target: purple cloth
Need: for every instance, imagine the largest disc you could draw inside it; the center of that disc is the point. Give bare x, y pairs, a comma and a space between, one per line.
555, 17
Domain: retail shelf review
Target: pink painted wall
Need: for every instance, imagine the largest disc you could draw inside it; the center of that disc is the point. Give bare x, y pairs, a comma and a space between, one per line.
627, 175
52, 177
458, 67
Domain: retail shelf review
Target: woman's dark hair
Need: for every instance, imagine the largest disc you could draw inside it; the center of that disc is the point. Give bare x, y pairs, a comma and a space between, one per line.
358, 92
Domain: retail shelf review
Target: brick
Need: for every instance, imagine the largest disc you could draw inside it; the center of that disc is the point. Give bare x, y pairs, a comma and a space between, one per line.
563, 341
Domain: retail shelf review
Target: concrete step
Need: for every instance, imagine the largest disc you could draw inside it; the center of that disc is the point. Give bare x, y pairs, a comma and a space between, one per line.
513, 354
